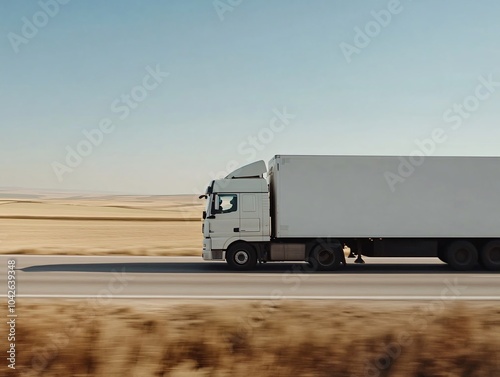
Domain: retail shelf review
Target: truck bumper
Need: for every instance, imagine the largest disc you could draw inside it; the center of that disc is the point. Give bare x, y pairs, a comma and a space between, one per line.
209, 254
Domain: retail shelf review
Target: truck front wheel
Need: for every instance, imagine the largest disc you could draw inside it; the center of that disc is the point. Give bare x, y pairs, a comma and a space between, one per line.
462, 255
490, 255
241, 257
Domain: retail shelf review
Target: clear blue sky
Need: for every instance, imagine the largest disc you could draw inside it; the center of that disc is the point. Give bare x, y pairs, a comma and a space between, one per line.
226, 77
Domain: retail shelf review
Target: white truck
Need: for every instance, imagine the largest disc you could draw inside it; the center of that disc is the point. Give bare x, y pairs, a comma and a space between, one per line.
308, 208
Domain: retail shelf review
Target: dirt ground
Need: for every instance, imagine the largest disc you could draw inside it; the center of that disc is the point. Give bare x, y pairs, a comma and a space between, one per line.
255, 338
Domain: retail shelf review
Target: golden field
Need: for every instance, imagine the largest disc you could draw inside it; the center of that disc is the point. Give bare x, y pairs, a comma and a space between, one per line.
252, 338
100, 225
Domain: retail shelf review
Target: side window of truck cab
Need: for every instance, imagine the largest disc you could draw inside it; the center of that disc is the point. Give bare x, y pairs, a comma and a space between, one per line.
228, 203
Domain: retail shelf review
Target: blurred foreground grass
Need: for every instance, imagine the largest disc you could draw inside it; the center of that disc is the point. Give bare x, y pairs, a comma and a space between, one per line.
264, 338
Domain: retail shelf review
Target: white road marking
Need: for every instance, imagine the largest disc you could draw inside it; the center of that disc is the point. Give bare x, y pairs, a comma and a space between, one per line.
487, 276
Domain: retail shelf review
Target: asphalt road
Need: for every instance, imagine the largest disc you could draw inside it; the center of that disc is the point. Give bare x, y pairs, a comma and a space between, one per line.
190, 277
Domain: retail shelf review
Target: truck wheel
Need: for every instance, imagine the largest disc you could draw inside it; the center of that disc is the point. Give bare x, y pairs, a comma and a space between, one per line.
490, 255
442, 255
241, 256
326, 258
461, 255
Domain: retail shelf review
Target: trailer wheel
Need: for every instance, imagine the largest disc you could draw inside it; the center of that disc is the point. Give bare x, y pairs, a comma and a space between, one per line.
326, 257
490, 255
442, 256
241, 257
461, 255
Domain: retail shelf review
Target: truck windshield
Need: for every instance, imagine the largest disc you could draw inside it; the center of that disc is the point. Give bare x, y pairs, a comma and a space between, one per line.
209, 207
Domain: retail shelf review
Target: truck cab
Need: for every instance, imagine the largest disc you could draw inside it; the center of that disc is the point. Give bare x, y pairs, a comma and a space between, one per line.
237, 210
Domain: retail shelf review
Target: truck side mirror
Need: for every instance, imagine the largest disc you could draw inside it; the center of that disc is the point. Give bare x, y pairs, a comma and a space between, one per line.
216, 203
204, 215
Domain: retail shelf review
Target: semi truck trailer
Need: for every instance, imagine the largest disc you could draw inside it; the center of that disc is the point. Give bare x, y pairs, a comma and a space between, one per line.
309, 208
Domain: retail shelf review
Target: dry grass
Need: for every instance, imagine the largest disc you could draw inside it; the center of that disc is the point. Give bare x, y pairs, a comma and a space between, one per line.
104, 225
257, 339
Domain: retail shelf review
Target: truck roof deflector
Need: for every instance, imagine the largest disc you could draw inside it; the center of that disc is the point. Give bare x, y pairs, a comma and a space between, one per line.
253, 170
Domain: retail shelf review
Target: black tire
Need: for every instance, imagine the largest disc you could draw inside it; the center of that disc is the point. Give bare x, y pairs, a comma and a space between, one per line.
326, 257
462, 255
241, 257
490, 255
442, 255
